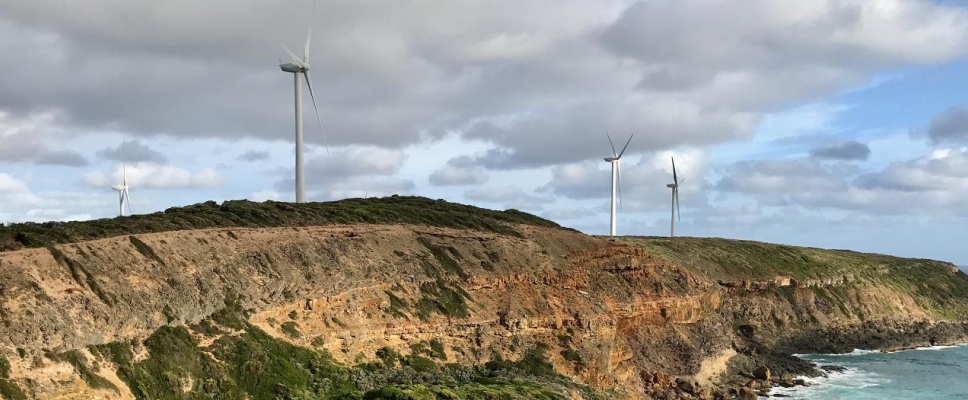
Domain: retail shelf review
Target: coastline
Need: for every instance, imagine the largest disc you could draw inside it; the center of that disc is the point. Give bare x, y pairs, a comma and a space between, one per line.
788, 358
866, 374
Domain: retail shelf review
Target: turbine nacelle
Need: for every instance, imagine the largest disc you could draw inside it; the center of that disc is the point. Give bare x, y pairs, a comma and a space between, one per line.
293, 68
672, 185
119, 187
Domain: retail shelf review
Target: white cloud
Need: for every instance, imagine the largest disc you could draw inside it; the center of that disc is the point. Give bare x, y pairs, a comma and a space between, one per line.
264, 195
154, 176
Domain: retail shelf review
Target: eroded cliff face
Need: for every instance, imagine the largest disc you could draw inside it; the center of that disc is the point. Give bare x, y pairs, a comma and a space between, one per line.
610, 314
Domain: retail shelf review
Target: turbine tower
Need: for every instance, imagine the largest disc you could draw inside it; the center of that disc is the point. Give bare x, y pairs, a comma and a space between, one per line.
675, 197
300, 67
616, 178
122, 189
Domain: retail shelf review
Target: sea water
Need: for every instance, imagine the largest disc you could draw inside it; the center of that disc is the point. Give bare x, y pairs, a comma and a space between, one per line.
939, 372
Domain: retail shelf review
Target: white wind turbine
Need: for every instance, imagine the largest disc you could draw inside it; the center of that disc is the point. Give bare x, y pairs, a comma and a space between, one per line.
616, 177
675, 197
297, 68
122, 189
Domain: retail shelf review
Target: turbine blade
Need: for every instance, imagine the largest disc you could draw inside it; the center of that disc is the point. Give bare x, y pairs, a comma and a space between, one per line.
618, 167
675, 178
127, 200
292, 55
626, 146
124, 166
309, 82
678, 212
614, 154
306, 51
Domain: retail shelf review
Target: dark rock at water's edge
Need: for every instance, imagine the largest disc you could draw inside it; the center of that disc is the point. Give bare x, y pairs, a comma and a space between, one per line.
875, 335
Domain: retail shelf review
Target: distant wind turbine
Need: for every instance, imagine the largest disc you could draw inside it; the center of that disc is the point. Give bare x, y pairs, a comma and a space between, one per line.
301, 67
616, 177
122, 189
675, 197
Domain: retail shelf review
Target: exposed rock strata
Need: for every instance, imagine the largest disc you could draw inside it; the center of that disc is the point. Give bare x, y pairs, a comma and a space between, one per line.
637, 324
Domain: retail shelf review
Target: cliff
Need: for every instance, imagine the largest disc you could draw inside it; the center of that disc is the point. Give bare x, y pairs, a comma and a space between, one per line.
414, 298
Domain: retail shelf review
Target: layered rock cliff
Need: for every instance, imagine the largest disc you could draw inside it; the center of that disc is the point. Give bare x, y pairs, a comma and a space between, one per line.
507, 306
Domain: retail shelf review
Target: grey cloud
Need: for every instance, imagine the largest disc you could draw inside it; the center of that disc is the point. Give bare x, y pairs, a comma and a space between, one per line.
578, 133
780, 177
848, 151
949, 126
458, 171
510, 196
643, 184
557, 74
350, 188
64, 158
13, 149
254, 155
344, 168
944, 171
133, 151
445, 176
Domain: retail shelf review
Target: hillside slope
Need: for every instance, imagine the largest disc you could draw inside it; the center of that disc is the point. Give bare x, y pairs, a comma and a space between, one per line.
449, 302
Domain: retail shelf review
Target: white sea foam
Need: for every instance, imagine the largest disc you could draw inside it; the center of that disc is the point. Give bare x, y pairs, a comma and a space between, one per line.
835, 384
940, 347
856, 352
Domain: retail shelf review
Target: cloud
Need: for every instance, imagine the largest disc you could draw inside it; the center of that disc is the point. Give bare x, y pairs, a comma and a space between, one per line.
133, 152
14, 191
18, 203
458, 171
155, 176
943, 170
348, 165
847, 151
950, 125
254, 155
781, 177
378, 187
25, 139
511, 196
551, 77
346, 171
63, 158
264, 195
643, 183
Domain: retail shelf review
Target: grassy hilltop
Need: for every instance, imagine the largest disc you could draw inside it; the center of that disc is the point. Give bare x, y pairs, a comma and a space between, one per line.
271, 214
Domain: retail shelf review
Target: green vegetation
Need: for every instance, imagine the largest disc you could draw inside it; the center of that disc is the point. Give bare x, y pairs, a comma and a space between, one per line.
397, 305
439, 296
87, 372
254, 365
80, 275
938, 287
437, 350
145, 250
443, 257
247, 214
289, 328
9, 389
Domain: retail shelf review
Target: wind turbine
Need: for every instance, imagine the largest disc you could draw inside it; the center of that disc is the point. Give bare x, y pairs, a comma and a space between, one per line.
675, 197
616, 177
122, 189
297, 68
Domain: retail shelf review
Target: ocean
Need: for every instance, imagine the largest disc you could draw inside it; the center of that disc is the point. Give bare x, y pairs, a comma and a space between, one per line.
939, 372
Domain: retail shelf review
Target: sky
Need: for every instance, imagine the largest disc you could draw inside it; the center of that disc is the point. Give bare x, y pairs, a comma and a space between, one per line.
827, 123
